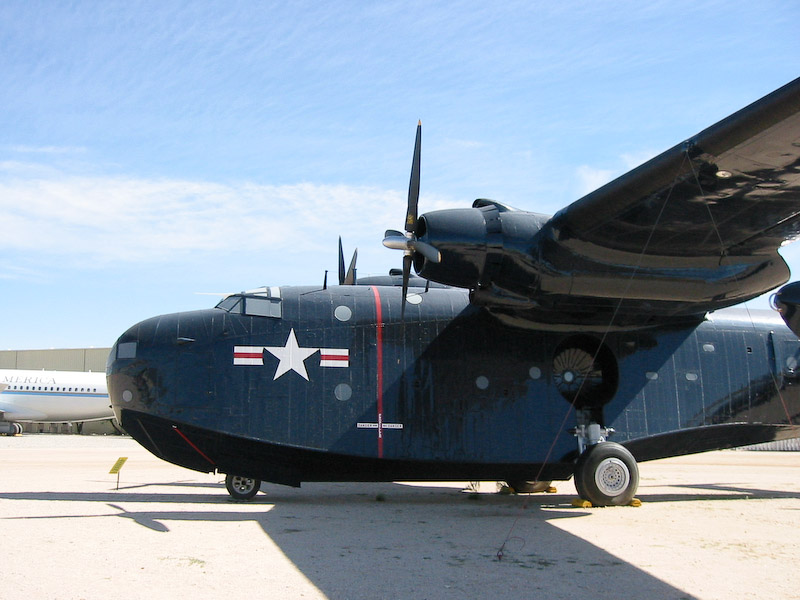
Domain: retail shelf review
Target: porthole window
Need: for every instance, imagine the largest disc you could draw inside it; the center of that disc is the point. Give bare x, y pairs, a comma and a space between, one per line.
343, 313
343, 392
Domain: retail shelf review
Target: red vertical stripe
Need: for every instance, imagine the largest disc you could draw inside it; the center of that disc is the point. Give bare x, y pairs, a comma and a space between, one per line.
379, 341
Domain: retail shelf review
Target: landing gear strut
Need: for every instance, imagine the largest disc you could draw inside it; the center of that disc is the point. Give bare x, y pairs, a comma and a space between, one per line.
242, 488
606, 473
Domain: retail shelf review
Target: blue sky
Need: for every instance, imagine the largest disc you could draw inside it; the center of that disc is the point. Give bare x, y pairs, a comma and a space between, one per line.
153, 151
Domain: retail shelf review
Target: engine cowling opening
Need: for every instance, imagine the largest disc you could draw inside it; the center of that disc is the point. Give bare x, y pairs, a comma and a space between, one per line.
460, 236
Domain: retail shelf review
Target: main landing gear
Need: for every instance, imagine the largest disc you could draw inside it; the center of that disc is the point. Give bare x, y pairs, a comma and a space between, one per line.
10, 428
242, 488
606, 474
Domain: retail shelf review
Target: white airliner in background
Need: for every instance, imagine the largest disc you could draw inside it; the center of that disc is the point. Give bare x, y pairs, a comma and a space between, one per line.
51, 397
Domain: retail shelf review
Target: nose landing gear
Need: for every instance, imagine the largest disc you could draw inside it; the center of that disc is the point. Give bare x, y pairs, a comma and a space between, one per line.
242, 488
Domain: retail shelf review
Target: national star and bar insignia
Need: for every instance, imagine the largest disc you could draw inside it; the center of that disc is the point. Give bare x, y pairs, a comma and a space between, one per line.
291, 356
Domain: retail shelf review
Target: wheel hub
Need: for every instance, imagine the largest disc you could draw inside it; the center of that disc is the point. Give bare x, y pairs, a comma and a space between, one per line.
612, 476
243, 484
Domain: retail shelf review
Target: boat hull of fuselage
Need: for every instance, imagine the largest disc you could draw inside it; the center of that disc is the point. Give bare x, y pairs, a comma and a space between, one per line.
450, 393
206, 450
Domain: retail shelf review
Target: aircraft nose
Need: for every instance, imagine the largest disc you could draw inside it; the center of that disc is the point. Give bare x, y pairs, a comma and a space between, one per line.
156, 366
134, 374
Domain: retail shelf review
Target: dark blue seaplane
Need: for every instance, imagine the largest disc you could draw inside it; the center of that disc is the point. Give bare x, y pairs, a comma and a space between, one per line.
529, 348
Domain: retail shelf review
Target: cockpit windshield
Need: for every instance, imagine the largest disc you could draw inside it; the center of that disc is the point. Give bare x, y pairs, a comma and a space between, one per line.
260, 303
230, 303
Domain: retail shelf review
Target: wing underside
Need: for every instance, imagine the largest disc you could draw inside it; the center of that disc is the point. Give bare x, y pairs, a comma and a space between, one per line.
733, 188
694, 229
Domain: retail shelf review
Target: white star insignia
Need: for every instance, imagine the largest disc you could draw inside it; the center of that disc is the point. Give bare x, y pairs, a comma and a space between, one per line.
291, 356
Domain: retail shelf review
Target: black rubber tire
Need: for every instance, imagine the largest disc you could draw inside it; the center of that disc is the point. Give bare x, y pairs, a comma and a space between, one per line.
606, 474
529, 487
242, 488
579, 468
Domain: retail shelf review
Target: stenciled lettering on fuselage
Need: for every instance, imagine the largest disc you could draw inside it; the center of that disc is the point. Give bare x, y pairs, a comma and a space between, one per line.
29, 379
291, 356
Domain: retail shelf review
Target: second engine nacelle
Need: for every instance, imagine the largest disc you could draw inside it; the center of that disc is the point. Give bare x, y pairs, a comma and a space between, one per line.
479, 246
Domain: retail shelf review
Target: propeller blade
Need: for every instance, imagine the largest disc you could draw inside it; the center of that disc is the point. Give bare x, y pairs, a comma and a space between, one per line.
341, 262
408, 242
413, 184
428, 251
406, 274
350, 278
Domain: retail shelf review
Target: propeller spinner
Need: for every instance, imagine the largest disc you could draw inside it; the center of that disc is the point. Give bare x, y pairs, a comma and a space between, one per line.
408, 242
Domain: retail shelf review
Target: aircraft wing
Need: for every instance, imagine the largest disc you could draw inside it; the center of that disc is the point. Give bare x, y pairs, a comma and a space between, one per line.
733, 188
695, 229
692, 230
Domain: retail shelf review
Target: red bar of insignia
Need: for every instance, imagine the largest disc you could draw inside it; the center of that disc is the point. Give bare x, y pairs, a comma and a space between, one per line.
334, 357
248, 355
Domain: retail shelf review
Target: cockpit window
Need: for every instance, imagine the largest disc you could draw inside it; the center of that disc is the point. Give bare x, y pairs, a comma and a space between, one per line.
229, 304
254, 306
262, 307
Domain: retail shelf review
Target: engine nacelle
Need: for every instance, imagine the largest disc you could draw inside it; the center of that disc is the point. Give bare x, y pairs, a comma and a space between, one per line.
488, 244
787, 302
10, 428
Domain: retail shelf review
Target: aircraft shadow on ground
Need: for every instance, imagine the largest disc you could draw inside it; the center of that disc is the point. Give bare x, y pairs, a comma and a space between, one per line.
392, 540
716, 491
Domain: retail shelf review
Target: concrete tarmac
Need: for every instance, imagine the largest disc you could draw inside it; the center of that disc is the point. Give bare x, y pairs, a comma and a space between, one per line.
711, 526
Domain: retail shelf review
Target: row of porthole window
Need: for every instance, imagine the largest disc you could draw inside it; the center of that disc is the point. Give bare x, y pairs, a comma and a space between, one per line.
344, 392
482, 382
344, 313
33, 388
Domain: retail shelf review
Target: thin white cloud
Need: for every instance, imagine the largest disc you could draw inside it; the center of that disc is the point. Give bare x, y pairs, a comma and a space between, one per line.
633, 160
48, 149
14, 272
466, 144
100, 220
590, 178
